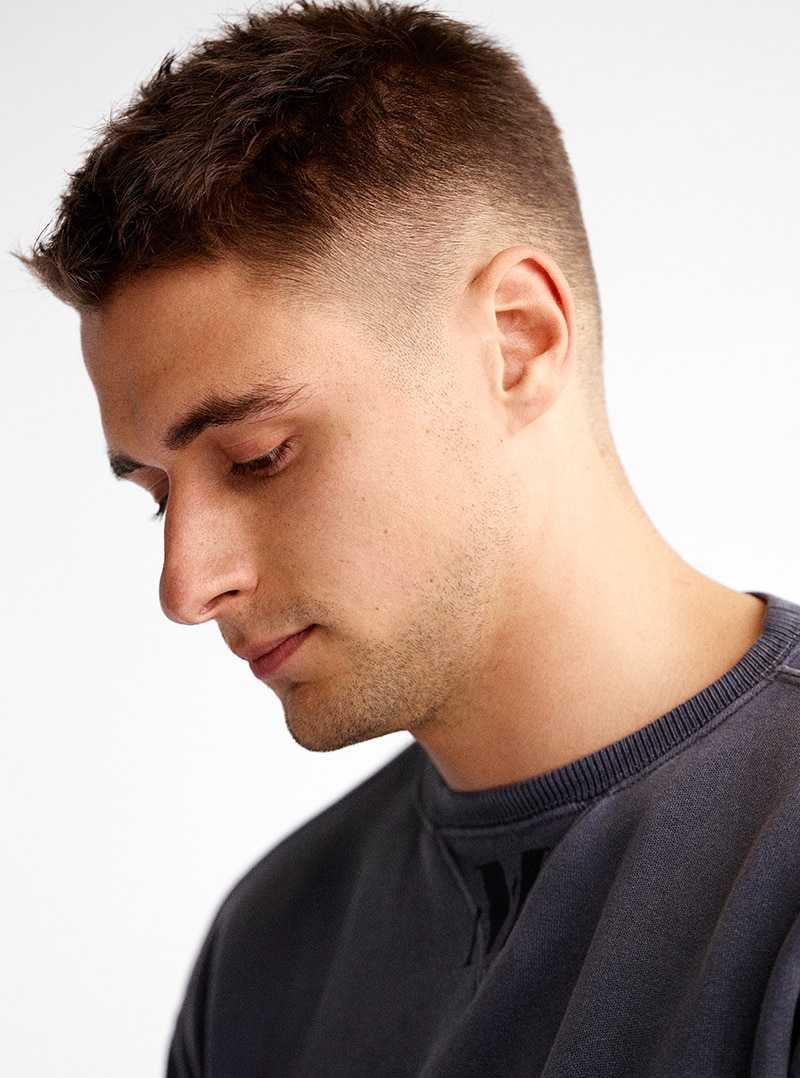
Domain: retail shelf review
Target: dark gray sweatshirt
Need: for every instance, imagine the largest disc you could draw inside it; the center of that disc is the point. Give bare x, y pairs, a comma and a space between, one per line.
633, 914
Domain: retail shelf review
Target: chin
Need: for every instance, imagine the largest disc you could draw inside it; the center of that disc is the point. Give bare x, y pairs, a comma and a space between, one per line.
321, 735
324, 726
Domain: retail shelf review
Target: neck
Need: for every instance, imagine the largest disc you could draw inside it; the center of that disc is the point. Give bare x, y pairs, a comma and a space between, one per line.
603, 628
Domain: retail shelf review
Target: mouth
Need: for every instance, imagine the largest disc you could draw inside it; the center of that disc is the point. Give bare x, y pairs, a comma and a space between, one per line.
266, 659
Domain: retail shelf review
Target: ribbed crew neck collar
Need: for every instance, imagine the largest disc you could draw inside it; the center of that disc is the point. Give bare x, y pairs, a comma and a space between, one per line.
591, 777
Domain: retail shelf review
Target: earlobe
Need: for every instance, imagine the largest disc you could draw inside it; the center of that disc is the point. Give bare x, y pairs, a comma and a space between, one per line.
533, 313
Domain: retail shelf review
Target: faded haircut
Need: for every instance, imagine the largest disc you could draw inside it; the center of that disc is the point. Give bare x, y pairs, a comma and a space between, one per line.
303, 132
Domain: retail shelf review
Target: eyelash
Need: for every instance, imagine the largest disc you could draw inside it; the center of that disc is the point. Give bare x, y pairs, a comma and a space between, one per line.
265, 467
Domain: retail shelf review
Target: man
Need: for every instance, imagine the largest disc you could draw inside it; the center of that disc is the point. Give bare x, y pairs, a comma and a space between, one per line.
339, 310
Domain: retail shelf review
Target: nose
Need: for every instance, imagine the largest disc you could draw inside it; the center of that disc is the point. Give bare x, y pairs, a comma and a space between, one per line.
208, 561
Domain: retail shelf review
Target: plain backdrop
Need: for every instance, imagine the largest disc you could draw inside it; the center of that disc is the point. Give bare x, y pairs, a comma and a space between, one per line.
143, 768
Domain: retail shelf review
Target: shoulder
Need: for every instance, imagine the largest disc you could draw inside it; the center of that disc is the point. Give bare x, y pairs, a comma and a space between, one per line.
787, 670
324, 853
282, 919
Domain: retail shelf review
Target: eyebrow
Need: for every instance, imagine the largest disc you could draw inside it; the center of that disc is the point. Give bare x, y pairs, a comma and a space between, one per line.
261, 401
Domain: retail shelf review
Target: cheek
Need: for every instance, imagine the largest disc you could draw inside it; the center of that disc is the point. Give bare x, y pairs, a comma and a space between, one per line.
364, 524
376, 511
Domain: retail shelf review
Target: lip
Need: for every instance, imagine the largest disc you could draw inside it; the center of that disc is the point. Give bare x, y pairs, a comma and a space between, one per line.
265, 659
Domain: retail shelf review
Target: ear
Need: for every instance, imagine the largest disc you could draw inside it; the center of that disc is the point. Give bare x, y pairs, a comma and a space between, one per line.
524, 293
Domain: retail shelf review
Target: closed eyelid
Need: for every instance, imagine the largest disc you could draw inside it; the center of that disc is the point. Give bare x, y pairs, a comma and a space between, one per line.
263, 461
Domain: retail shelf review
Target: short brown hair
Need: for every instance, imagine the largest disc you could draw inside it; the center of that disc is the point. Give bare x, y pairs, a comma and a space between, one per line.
302, 125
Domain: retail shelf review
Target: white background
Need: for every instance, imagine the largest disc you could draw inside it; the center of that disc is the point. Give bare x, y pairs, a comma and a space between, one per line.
143, 768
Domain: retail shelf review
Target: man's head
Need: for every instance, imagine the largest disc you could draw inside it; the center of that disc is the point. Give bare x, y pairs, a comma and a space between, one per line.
334, 285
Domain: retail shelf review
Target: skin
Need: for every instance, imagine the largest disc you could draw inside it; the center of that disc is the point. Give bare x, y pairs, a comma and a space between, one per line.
440, 514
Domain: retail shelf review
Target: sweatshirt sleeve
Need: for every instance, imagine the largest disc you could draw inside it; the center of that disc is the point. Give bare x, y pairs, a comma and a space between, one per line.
186, 1057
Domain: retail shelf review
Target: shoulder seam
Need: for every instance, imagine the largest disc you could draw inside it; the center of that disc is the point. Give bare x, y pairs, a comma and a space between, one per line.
788, 673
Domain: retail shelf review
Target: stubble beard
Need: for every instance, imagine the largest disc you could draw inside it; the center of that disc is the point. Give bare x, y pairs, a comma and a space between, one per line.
420, 678
384, 690
425, 673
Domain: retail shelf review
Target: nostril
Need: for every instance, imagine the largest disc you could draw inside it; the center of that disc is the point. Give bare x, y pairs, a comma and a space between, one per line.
208, 608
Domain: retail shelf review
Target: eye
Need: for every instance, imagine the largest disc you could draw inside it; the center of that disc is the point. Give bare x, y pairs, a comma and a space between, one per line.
270, 464
159, 492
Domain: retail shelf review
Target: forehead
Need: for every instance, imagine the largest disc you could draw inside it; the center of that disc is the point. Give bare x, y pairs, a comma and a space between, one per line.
191, 316
173, 337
